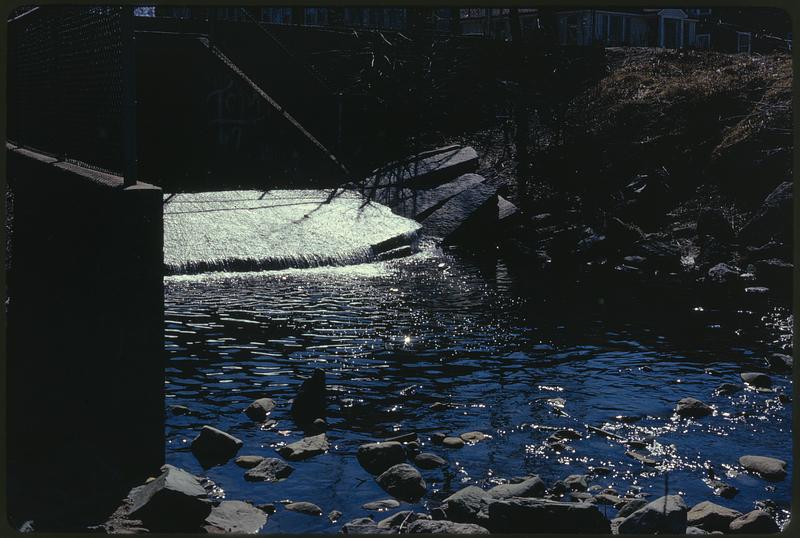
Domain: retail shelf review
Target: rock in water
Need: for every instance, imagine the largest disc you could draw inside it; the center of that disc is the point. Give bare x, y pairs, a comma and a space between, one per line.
780, 362
426, 460
755, 522
214, 446
464, 505
310, 509
305, 448
722, 274
473, 437
380, 506
175, 501
530, 487
427, 526
728, 388
711, 517
576, 482
248, 462
403, 518
269, 470
630, 507
259, 409
769, 468
365, 525
403, 482
693, 408
235, 517
757, 379
311, 399
666, 515
453, 442
377, 457
531, 516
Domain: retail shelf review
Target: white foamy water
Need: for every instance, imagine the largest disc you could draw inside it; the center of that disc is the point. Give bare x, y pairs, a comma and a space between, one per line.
280, 229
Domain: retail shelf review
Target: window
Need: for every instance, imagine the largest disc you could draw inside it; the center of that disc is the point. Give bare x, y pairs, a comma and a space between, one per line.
743, 42
615, 30
394, 18
600, 27
277, 15
442, 17
315, 16
572, 30
353, 16
702, 41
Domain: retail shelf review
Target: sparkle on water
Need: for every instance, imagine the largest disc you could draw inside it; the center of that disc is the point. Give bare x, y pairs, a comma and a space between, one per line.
252, 230
395, 337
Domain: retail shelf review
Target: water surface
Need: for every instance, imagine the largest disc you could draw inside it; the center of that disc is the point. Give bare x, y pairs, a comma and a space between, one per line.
394, 337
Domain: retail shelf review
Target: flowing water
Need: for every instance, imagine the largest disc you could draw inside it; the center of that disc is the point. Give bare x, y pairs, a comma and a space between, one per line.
252, 230
396, 336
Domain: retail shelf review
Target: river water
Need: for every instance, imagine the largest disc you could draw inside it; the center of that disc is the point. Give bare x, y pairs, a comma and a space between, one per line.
396, 336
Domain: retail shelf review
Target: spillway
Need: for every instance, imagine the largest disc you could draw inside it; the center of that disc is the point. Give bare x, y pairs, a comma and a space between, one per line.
279, 229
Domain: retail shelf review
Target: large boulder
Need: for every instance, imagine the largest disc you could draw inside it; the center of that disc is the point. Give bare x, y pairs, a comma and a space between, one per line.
464, 505
403, 482
311, 399
693, 408
665, 515
711, 517
235, 517
212, 446
530, 487
769, 468
269, 470
755, 522
529, 516
377, 457
175, 501
429, 526
259, 409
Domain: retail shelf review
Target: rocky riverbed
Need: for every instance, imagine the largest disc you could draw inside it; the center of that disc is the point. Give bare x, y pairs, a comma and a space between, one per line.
440, 394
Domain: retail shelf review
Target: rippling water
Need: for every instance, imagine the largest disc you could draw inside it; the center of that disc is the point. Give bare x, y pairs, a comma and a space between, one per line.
394, 337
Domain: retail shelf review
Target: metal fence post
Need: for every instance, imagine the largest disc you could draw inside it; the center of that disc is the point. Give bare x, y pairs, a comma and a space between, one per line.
129, 157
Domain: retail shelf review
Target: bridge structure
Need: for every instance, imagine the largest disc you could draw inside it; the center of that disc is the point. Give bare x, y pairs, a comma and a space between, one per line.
106, 111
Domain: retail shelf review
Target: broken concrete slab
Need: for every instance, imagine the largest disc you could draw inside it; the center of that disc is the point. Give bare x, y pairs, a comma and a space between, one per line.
419, 203
464, 212
424, 169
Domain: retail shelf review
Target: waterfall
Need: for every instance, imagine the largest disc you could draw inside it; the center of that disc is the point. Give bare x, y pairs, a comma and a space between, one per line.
279, 229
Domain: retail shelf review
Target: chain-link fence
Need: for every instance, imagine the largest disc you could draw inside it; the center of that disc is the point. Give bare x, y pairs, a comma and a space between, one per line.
68, 85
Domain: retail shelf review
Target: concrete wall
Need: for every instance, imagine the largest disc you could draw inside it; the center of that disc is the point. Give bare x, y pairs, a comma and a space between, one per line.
85, 363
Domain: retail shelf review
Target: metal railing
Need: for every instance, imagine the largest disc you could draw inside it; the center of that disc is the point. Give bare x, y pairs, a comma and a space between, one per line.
71, 86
